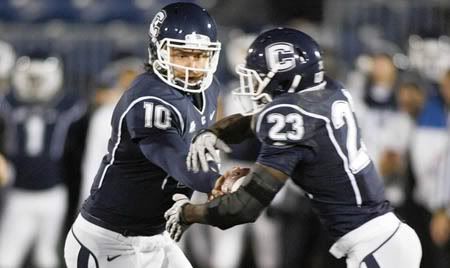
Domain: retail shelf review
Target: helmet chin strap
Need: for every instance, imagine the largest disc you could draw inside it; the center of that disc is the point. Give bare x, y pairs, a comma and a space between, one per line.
266, 81
295, 82
185, 81
271, 74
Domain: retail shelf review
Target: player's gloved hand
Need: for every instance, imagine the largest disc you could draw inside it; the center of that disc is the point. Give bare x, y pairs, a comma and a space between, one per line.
204, 144
229, 182
174, 225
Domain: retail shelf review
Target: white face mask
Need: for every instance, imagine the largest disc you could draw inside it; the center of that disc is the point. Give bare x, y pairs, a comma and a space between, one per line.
163, 66
250, 93
37, 80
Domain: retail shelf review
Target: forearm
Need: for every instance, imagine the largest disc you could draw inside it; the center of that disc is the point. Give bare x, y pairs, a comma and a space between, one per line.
243, 206
169, 156
195, 213
233, 129
226, 211
200, 181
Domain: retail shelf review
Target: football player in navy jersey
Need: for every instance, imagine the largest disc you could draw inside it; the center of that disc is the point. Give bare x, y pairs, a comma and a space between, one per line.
38, 116
121, 223
306, 123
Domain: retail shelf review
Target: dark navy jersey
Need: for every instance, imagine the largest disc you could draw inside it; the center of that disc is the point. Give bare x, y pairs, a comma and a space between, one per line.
313, 137
35, 135
152, 127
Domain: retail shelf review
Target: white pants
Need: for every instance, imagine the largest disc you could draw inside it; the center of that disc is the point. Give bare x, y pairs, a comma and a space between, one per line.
89, 245
32, 218
383, 242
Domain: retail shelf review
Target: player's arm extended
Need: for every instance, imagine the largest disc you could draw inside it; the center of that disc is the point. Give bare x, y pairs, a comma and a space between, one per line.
159, 137
233, 129
242, 206
230, 130
167, 150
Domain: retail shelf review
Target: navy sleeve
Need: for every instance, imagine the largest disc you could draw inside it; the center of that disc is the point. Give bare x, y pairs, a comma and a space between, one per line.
284, 159
151, 117
169, 151
157, 128
282, 125
285, 134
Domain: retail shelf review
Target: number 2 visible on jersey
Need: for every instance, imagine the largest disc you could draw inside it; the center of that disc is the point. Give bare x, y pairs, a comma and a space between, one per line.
156, 116
342, 114
280, 120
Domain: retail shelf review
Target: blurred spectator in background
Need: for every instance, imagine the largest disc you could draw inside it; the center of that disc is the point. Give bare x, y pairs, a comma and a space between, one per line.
411, 99
4, 179
116, 77
38, 116
7, 60
440, 223
428, 143
430, 54
384, 129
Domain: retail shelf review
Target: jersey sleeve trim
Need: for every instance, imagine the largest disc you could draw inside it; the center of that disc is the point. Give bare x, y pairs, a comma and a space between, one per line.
119, 131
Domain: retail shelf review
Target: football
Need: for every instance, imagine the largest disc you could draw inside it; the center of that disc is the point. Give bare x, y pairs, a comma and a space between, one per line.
237, 184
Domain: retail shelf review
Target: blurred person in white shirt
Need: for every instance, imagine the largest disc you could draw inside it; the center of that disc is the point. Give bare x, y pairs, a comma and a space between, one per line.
385, 129
440, 223
111, 84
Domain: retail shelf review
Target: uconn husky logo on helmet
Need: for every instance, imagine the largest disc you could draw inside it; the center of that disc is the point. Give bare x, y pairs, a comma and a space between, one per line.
280, 56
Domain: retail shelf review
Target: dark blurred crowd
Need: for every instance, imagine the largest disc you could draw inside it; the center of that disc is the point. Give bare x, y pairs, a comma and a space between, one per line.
64, 64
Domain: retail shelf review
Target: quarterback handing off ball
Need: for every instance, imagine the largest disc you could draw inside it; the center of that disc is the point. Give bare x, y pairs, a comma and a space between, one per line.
229, 182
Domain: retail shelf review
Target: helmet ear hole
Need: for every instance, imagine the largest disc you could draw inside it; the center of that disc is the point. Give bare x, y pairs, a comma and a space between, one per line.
277, 87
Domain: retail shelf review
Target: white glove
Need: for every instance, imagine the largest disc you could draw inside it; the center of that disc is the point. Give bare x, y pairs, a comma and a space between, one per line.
205, 144
174, 226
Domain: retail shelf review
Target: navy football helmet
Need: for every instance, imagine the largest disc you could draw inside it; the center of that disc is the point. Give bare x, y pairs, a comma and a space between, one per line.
37, 77
186, 26
279, 61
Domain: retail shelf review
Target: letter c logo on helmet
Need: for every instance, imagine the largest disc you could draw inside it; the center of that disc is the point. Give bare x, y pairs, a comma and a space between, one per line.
279, 61
280, 56
157, 21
